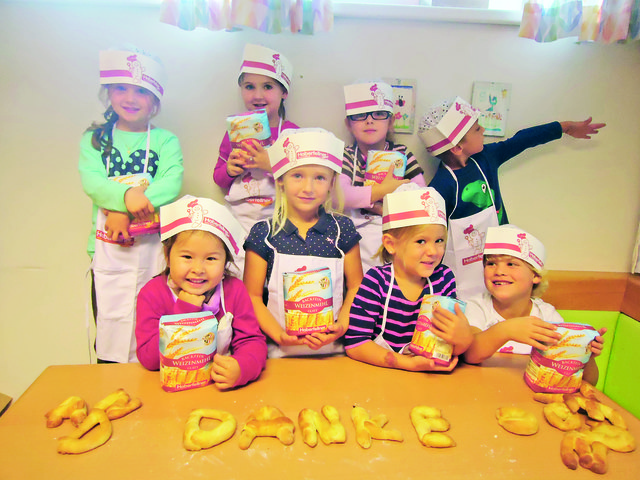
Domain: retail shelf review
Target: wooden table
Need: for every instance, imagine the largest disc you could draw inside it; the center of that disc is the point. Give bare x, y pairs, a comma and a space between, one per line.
148, 442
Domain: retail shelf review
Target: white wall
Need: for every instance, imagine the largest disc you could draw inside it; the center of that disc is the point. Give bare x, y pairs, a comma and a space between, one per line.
580, 198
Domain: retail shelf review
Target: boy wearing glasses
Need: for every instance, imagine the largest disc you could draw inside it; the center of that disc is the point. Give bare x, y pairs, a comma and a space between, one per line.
369, 110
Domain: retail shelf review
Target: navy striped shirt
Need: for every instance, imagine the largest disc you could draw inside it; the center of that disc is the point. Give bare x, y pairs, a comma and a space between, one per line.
365, 318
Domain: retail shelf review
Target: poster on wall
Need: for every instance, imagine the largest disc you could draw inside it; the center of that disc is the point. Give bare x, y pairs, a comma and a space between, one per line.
404, 109
492, 99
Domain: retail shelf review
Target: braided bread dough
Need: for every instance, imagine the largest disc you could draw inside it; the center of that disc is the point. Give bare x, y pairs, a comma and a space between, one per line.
327, 425
100, 427
577, 448
368, 428
267, 422
73, 408
516, 420
118, 404
197, 439
429, 426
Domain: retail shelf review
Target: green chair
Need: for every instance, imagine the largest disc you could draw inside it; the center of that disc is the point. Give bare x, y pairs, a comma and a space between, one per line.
622, 382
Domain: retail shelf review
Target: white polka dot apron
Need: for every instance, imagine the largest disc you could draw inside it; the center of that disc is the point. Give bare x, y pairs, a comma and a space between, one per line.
120, 271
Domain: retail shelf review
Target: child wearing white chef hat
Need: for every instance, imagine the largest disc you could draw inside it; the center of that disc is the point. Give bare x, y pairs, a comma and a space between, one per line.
467, 178
244, 174
385, 310
201, 238
510, 317
369, 108
129, 168
303, 235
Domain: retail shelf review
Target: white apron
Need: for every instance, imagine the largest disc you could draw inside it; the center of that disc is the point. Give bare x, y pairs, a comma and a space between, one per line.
250, 199
465, 244
120, 271
225, 327
379, 340
369, 226
283, 263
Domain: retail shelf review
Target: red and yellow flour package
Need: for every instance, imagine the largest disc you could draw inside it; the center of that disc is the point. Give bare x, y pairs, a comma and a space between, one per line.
426, 343
187, 346
559, 369
378, 163
250, 125
308, 301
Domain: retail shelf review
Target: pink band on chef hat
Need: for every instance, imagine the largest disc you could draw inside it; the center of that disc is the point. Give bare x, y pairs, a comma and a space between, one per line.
368, 97
511, 240
132, 68
411, 205
197, 213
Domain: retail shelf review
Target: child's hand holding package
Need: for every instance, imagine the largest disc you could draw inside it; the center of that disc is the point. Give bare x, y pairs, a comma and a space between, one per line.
257, 156
418, 363
531, 331
318, 340
452, 327
597, 344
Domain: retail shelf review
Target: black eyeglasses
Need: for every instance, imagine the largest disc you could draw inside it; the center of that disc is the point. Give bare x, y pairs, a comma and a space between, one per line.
378, 115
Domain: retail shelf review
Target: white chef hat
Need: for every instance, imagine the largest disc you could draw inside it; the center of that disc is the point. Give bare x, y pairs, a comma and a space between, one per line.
132, 68
198, 213
444, 124
411, 205
305, 146
511, 240
264, 61
368, 97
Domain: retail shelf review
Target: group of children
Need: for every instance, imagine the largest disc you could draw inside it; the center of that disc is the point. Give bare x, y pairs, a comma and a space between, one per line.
398, 241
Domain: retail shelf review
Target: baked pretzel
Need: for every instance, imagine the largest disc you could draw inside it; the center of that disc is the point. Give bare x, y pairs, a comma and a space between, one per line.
98, 424
197, 439
429, 425
118, 404
595, 458
267, 422
368, 428
327, 425
543, 397
594, 409
560, 416
588, 390
614, 437
577, 448
516, 420
73, 408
